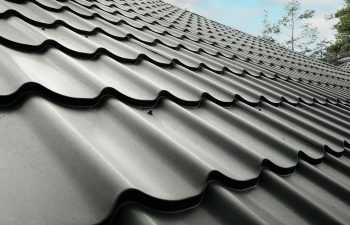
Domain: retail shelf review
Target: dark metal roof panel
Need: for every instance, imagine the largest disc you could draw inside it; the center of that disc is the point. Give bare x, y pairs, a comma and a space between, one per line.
92, 158
145, 117
309, 196
145, 81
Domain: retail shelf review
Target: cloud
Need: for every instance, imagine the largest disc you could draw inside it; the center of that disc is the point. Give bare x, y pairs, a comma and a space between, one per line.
184, 4
244, 16
244, 13
324, 26
301, 1
212, 13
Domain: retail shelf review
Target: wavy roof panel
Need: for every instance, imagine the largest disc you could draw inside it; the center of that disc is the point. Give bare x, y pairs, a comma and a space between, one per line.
138, 112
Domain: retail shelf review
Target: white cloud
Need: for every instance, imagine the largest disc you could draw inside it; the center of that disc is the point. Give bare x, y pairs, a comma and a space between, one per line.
301, 1
323, 8
249, 13
212, 13
324, 26
184, 4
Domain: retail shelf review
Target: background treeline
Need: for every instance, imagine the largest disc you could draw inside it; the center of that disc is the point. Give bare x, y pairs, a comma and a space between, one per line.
295, 32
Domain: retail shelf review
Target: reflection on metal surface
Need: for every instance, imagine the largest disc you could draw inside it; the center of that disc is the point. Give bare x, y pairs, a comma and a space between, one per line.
138, 112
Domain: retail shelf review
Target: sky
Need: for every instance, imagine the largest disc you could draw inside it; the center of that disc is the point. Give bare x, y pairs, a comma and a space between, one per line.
247, 15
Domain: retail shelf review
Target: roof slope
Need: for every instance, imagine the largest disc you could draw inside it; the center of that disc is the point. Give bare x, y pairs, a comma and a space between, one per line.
345, 66
138, 112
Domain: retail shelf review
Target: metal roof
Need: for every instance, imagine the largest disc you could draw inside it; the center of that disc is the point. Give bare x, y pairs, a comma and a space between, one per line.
139, 112
345, 66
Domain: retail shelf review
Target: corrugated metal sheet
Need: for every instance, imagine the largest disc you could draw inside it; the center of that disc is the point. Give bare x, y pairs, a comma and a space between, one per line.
345, 66
300, 198
144, 113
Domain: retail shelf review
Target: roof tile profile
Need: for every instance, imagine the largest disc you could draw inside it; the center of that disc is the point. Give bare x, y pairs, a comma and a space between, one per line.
344, 64
139, 112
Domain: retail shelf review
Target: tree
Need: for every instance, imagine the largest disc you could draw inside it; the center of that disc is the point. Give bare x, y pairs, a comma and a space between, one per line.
319, 52
302, 34
269, 28
293, 26
341, 48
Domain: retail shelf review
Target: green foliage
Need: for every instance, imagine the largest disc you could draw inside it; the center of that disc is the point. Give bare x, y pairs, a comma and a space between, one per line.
341, 48
319, 51
293, 25
269, 28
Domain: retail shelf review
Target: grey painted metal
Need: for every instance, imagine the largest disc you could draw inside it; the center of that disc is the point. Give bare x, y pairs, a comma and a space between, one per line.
138, 112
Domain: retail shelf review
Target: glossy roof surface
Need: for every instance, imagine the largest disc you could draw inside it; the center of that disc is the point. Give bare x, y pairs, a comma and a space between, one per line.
138, 112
